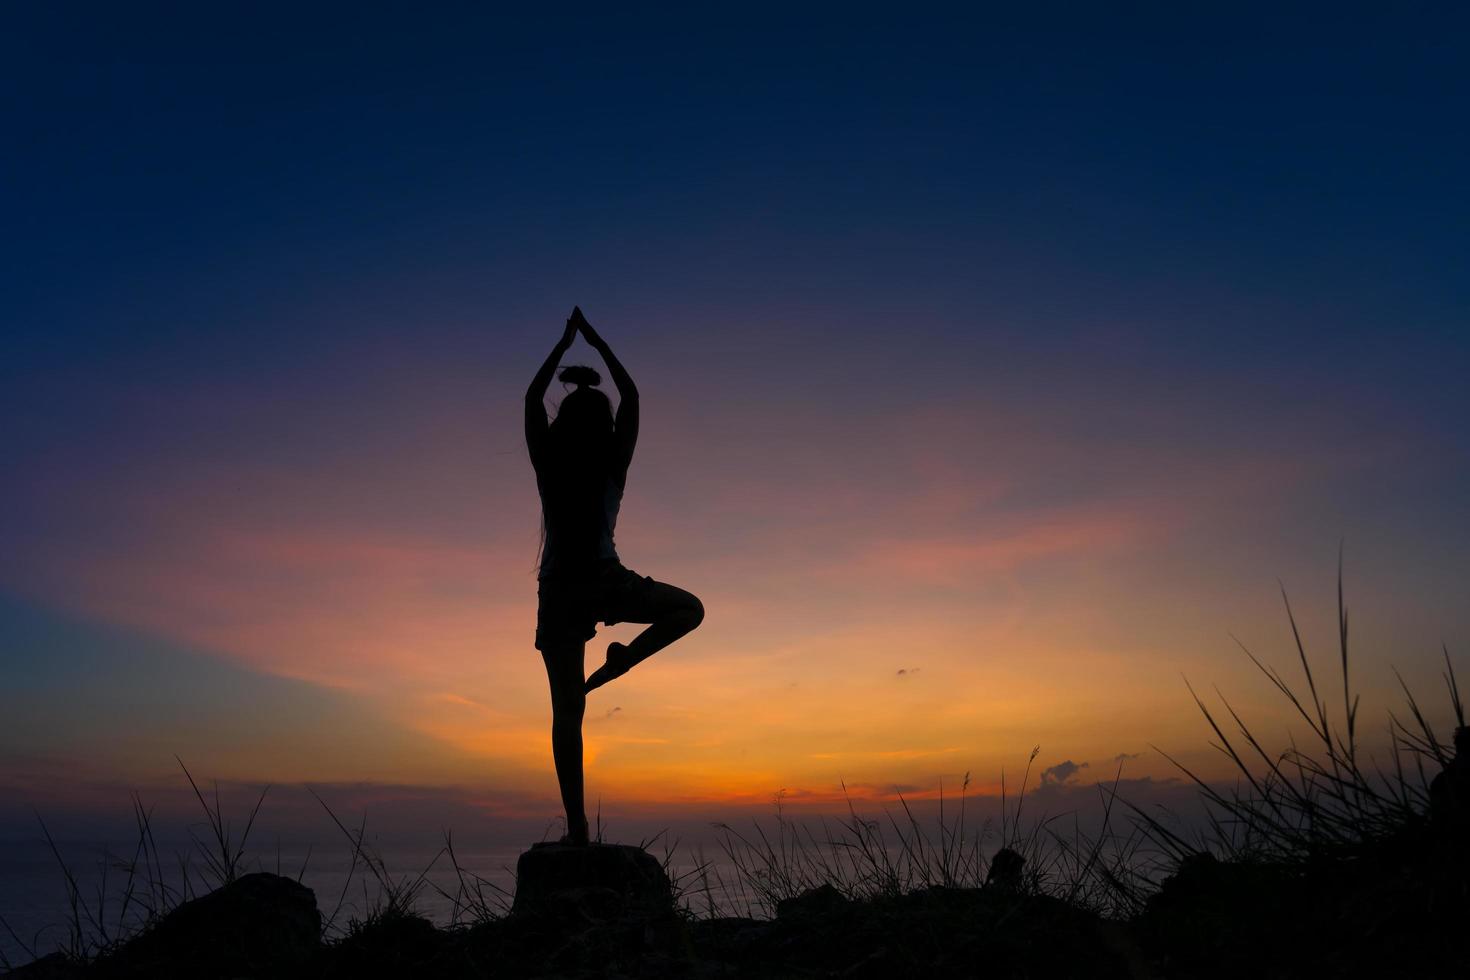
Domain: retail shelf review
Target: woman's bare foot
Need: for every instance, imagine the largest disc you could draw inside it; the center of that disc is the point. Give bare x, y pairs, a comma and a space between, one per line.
577, 834
618, 664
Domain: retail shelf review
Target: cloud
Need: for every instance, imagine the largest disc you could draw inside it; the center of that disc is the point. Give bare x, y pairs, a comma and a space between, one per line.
613, 711
1058, 774
906, 671
1126, 756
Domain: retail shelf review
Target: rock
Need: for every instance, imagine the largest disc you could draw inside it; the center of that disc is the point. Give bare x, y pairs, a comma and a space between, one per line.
391, 943
814, 902
1449, 792
594, 911
258, 925
596, 880
1005, 870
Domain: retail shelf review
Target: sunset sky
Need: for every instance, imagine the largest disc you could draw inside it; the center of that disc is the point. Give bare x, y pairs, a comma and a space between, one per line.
995, 373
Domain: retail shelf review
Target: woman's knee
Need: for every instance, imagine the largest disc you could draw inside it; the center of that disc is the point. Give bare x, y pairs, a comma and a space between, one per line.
694, 610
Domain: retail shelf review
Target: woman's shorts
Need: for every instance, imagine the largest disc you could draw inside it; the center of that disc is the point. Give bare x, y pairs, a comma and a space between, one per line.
569, 607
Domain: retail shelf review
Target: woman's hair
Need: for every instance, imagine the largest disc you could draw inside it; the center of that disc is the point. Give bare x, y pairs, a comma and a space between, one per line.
579, 375
582, 430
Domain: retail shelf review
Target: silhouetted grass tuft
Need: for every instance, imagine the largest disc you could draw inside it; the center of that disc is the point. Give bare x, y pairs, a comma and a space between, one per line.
1324, 800
396, 897
864, 858
222, 854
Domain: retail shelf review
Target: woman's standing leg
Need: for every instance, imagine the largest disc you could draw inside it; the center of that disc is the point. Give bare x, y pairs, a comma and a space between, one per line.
564, 669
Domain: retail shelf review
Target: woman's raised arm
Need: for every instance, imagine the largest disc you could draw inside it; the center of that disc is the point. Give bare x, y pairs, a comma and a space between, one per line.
626, 424
536, 425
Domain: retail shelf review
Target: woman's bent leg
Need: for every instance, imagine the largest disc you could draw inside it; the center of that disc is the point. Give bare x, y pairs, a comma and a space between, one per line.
568, 703
670, 612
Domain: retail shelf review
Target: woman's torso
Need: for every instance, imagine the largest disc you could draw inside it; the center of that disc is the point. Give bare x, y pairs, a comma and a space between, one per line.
579, 514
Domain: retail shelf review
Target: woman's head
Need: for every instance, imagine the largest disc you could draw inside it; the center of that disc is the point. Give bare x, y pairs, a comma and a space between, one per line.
584, 420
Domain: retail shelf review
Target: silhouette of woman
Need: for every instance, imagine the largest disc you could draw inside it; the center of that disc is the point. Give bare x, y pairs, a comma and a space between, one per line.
581, 462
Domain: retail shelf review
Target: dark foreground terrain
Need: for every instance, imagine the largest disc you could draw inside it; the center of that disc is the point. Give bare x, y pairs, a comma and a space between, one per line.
1396, 909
